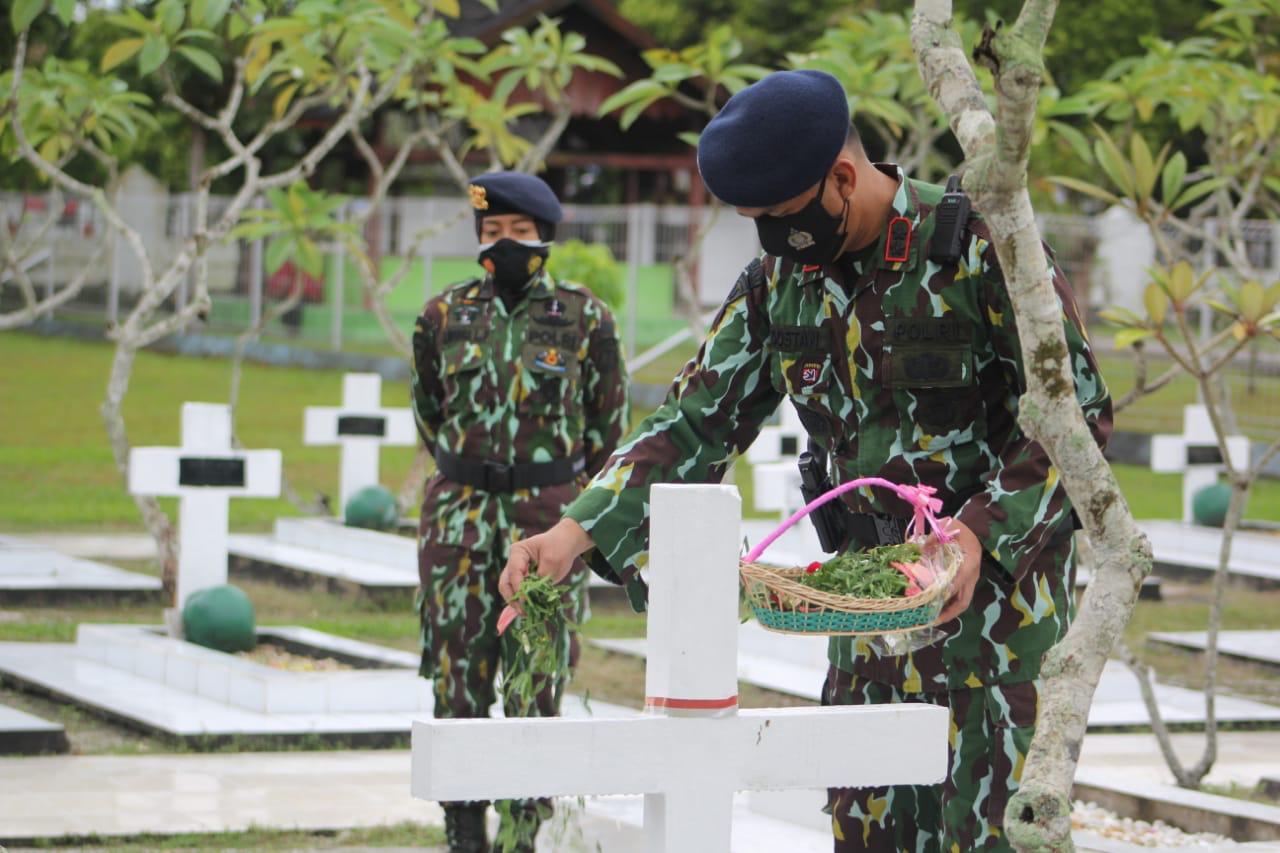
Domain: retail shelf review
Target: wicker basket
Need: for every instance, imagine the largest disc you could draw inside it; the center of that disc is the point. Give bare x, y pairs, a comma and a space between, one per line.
783, 604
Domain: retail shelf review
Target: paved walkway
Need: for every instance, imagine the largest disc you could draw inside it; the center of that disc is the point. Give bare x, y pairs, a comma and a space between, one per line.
48, 797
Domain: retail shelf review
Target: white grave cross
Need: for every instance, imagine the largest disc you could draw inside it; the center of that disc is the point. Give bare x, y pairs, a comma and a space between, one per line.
693, 748
361, 425
1195, 454
205, 473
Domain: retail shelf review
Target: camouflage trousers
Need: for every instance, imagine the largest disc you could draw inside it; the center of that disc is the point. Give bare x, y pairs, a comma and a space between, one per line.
458, 605
991, 730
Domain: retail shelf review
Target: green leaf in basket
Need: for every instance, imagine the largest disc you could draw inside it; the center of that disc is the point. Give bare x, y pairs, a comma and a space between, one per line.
865, 574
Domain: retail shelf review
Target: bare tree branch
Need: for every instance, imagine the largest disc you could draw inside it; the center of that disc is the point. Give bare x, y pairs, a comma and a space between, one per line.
542, 147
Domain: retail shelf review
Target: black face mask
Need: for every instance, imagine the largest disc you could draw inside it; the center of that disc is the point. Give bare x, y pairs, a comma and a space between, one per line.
513, 262
810, 236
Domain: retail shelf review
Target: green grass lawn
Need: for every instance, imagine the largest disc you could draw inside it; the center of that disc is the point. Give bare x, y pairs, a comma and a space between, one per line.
58, 473
55, 462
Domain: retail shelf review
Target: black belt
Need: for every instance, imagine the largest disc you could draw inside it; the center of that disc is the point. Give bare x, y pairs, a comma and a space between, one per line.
502, 477
869, 529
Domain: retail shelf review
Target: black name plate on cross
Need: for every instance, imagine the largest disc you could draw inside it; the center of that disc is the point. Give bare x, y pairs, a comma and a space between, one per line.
1204, 454
362, 425
204, 471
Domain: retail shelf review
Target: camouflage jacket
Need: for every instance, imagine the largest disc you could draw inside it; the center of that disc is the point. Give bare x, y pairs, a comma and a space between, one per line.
905, 370
545, 381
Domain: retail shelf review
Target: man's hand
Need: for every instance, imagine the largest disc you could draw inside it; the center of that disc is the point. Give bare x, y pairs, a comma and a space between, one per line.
552, 552
961, 592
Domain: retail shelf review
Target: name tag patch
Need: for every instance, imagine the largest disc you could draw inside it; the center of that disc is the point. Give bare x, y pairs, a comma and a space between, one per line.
927, 330
463, 333
552, 337
800, 338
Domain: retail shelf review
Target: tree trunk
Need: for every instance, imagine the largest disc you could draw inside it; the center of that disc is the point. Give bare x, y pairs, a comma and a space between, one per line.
157, 523
1038, 816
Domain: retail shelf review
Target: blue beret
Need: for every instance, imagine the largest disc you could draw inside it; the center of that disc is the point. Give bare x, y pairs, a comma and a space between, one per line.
514, 192
774, 139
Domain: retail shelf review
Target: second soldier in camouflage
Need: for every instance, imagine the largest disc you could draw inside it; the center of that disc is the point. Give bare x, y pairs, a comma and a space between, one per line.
520, 394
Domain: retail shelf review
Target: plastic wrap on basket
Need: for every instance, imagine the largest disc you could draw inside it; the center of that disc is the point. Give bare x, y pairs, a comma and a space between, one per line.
895, 625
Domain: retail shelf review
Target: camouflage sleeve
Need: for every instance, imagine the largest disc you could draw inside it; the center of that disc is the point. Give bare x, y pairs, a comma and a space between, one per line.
425, 382
1023, 506
712, 412
606, 403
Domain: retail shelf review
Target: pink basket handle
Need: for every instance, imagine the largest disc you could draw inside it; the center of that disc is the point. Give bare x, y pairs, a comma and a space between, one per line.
921, 498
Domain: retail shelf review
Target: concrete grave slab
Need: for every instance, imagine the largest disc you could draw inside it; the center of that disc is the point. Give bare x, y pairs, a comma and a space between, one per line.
345, 559
1253, 646
1188, 550
26, 734
30, 570
135, 674
797, 666
325, 550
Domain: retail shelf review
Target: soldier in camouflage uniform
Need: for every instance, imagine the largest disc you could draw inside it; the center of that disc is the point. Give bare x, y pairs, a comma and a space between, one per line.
519, 392
904, 367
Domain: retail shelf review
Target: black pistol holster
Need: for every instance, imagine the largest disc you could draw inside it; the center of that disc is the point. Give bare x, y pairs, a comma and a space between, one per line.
828, 519
838, 526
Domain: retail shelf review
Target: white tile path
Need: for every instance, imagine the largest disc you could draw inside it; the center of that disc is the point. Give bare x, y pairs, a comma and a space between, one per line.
1254, 646
798, 666
55, 797
27, 567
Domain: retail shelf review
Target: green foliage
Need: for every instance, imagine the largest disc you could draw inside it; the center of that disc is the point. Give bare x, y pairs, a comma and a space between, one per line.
591, 265
710, 65
296, 222
769, 30
1215, 87
295, 55
66, 104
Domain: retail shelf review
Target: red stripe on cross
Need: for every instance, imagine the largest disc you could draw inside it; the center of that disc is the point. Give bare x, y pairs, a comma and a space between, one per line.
690, 704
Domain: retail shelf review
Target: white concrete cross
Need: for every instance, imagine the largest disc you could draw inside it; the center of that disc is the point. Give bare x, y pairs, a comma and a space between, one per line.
1195, 454
693, 748
773, 456
205, 473
361, 425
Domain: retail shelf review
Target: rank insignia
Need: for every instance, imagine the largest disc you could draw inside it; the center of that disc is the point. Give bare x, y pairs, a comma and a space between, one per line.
479, 199
552, 360
553, 313
897, 244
